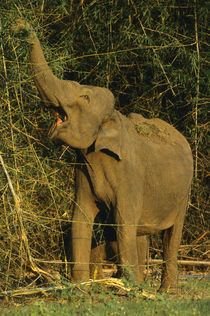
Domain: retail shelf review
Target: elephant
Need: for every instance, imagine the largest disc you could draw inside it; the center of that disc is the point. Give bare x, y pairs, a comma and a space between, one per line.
140, 168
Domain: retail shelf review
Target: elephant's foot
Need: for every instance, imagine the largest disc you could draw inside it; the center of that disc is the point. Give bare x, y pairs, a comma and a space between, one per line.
169, 289
80, 275
169, 282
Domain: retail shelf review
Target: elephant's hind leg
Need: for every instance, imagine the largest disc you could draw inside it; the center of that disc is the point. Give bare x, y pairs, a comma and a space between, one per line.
171, 242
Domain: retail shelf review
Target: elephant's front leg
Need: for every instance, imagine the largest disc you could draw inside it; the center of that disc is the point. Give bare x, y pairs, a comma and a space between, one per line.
127, 244
82, 226
143, 252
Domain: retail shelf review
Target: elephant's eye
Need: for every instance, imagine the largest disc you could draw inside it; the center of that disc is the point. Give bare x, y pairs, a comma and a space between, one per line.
86, 97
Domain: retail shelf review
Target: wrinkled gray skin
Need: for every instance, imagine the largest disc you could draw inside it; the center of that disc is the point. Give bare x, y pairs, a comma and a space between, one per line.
139, 167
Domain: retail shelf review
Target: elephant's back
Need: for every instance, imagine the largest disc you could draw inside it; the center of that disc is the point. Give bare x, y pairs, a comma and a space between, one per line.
158, 131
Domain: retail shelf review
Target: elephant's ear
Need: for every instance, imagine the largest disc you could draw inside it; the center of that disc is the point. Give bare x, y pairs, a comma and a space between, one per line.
109, 138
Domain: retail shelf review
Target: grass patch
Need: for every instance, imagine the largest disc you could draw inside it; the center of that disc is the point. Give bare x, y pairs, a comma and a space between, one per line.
118, 308
193, 300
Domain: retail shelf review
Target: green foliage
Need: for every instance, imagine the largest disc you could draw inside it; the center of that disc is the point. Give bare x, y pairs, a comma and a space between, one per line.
145, 52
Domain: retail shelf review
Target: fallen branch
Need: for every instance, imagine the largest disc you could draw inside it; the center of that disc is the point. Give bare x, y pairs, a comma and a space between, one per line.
111, 282
183, 262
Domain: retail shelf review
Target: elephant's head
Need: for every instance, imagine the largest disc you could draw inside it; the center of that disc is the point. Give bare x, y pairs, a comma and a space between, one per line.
84, 110
88, 111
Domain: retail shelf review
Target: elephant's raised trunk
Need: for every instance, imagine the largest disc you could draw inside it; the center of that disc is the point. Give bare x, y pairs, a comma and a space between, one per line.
46, 82
48, 85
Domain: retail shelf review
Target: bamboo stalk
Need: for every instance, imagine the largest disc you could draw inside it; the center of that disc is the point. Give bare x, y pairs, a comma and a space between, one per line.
155, 261
197, 88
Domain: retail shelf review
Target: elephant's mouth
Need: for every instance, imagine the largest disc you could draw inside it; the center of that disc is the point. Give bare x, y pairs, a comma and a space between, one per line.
60, 116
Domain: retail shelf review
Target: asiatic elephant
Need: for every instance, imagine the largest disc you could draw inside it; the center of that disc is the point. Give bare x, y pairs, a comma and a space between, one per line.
141, 169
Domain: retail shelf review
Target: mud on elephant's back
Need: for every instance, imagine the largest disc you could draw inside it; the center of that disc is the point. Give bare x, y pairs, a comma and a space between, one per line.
156, 130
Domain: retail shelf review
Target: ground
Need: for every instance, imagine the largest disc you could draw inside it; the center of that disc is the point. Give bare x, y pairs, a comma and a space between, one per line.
193, 299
